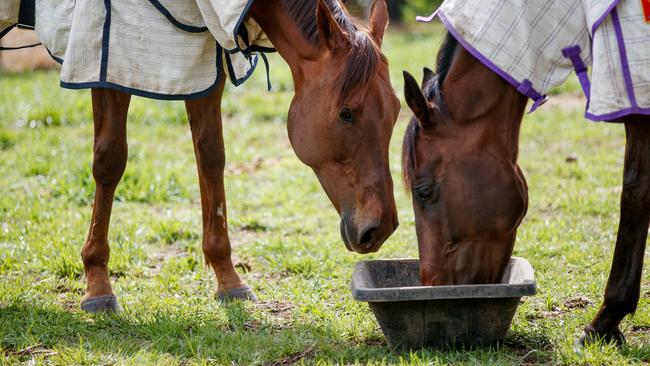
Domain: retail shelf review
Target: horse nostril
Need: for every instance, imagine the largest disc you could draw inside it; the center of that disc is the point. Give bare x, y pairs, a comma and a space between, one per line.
366, 238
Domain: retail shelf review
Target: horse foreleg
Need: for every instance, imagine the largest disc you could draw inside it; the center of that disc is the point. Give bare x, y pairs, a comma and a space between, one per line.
110, 153
623, 286
204, 115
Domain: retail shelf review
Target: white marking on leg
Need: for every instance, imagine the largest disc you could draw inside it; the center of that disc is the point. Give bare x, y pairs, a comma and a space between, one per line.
220, 214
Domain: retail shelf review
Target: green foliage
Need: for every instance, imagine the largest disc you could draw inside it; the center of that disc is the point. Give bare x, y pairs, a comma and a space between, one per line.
284, 234
408, 9
412, 8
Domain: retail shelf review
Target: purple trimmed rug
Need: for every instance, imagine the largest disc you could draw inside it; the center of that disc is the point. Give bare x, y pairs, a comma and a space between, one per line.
535, 44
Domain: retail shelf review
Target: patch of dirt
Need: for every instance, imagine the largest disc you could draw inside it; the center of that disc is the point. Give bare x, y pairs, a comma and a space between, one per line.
275, 307
63, 288
555, 311
529, 356
578, 303
534, 316
269, 276
251, 166
116, 274
68, 302
252, 325
279, 313
255, 226
153, 266
294, 358
638, 329
278, 316
571, 158
372, 342
244, 265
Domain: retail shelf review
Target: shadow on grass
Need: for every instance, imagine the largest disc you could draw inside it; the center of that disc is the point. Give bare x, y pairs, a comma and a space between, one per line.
240, 338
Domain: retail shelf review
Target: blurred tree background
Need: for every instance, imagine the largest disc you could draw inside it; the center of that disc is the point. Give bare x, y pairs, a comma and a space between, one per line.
401, 11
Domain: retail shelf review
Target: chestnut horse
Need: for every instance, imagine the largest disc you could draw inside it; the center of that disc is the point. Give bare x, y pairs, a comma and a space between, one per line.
340, 123
469, 194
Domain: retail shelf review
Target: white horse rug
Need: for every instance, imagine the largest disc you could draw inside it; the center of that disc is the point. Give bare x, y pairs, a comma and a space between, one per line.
163, 49
535, 44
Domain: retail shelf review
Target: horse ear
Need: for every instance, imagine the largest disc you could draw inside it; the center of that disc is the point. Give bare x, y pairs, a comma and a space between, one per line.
378, 20
416, 100
329, 30
427, 74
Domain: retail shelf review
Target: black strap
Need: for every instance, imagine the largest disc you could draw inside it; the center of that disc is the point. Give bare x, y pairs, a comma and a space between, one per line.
19, 47
26, 20
27, 14
268, 71
6, 30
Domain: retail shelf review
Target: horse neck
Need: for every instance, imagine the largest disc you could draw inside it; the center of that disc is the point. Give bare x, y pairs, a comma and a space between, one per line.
490, 107
286, 36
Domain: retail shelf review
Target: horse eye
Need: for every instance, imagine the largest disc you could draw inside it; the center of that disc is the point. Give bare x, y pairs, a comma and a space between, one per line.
426, 193
346, 115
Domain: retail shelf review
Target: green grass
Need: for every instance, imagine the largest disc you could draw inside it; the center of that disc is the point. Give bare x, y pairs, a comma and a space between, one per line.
283, 231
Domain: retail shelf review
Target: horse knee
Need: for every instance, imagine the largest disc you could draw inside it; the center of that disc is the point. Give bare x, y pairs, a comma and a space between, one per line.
109, 161
211, 156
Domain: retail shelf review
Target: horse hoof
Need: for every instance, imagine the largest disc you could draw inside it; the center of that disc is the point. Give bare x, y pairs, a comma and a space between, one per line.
590, 335
101, 304
241, 293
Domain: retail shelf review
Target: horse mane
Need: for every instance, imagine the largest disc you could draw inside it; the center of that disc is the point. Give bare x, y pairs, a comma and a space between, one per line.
364, 56
433, 90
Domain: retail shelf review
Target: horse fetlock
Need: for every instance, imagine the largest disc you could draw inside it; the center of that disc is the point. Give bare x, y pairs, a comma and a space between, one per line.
95, 254
592, 334
98, 282
617, 306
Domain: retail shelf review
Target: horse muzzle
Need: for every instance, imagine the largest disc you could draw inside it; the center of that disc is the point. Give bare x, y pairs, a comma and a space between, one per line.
368, 236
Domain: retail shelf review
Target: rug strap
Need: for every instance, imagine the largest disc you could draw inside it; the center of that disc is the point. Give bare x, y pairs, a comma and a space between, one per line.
526, 88
573, 54
27, 14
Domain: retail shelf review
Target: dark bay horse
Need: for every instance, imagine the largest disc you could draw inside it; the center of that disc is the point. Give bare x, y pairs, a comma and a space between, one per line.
340, 123
469, 194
